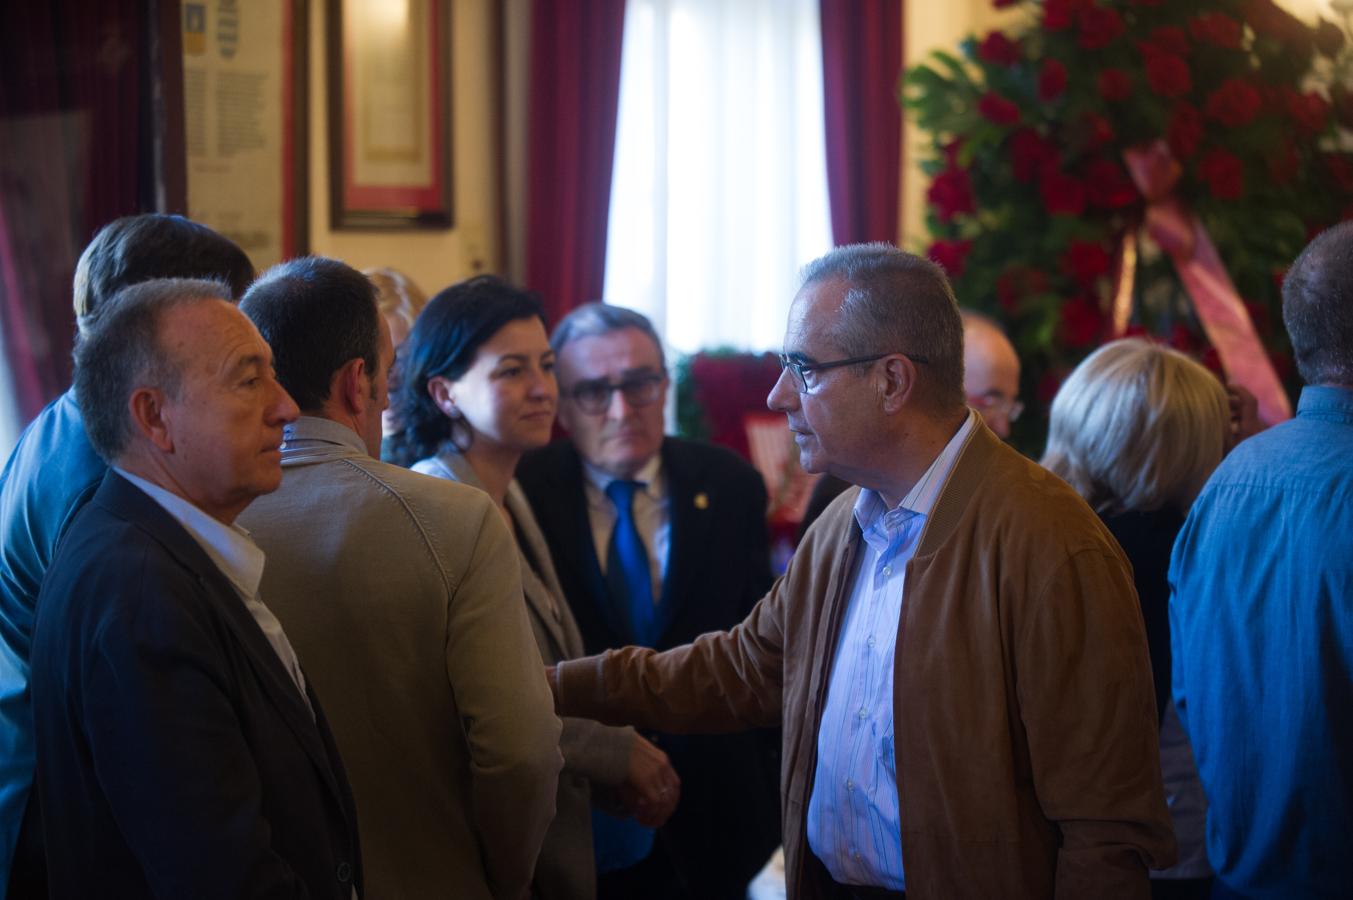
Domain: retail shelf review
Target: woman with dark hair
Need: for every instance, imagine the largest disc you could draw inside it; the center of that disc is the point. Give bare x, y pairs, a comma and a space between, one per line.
477, 390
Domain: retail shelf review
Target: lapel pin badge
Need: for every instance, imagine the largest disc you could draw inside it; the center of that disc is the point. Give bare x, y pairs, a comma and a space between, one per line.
702, 500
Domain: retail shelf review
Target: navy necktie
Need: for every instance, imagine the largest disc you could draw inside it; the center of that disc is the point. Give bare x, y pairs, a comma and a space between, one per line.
628, 575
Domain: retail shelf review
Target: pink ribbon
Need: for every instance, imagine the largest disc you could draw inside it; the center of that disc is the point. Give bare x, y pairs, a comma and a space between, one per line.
1220, 310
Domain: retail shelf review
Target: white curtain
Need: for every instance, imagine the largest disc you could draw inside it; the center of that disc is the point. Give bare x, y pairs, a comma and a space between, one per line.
720, 187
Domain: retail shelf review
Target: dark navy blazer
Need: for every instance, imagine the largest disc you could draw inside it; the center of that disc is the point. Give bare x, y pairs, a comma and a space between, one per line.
176, 756
718, 567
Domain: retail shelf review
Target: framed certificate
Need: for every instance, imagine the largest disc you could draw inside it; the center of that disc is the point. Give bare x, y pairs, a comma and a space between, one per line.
389, 113
245, 118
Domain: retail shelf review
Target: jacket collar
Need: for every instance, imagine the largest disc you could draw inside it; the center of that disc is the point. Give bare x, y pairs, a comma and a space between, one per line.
124, 500
316, 439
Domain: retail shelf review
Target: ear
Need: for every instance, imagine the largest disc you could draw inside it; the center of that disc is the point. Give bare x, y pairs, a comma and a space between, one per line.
150, 418
897, 384
442, 391
351, 386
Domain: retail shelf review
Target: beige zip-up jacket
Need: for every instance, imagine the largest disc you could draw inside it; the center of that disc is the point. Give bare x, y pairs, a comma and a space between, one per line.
402, 596
1026, 754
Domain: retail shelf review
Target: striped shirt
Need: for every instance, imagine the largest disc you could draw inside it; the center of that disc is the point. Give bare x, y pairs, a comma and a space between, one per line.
853, 821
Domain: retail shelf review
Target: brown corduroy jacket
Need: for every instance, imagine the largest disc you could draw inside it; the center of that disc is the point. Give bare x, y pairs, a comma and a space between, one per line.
1026, 747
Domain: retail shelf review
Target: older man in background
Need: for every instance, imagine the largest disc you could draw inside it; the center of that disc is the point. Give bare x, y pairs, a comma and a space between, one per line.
1261, 616
51, 474
182, 752
955, 651
657, 540
403, 595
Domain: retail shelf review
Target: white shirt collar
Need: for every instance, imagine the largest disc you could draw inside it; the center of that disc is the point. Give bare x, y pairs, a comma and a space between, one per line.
229, 546
650, 474
920, 500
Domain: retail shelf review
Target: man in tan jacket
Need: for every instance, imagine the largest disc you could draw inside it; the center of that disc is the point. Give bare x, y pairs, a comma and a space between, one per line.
955, 652
402, 595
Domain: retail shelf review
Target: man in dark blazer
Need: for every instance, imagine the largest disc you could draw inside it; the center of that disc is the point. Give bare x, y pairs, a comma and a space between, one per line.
181, 753
698, 513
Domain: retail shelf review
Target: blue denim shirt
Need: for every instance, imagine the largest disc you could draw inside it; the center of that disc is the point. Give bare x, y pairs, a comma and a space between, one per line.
1261, 622
50, 475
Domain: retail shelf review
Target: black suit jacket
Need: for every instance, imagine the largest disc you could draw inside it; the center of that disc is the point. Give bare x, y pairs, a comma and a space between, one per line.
727, 822
175, 755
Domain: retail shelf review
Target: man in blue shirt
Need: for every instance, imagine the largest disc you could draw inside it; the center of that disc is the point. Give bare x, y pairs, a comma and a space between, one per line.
51, 474
1261, 616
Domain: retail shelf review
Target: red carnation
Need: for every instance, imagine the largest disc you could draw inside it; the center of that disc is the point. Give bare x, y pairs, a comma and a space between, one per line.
998, 49
1224, 174
996, 108
1309, 111
950, 194
1114, 85
1184, 339
949, 255
1058, 14
1185, 130
1108, 186
1051, 80
1234, 103
1099, 27
1062, 194
1018, 282
1217, 29
1168, 76
1081, 322
1098, 130
1085, 262
1030, 154
1168, 40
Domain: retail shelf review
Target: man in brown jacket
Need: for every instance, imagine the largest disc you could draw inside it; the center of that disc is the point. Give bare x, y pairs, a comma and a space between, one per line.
955, 653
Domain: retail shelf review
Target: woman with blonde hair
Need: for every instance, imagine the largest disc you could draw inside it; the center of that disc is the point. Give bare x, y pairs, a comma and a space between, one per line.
1137, 429
399, 301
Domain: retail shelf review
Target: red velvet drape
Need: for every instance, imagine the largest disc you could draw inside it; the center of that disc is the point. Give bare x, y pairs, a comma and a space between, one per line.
574, 92
74, 154
861, 62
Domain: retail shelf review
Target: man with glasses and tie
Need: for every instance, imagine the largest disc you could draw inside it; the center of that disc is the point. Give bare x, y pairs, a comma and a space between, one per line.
955, 653
657, 540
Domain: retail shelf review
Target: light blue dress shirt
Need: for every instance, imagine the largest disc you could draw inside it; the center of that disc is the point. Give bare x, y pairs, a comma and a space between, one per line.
853, 821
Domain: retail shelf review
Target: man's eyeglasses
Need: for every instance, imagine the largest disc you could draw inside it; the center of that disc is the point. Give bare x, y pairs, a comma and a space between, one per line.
594, 397
996, 405
802, 369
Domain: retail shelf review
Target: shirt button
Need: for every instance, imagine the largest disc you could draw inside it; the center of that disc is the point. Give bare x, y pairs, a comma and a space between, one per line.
871, 642
850, 785
855, 853
887, 571
863, 712
343, 873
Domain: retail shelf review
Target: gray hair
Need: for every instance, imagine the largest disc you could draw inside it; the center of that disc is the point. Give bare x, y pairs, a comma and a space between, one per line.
1318, 307
897, 302
121, 351
1137, 426
593, 319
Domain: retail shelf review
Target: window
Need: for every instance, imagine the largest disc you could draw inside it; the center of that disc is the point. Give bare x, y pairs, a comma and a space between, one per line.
720, 187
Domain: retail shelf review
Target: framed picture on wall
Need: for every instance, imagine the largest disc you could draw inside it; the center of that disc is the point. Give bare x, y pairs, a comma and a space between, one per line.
389, 113
245, 123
